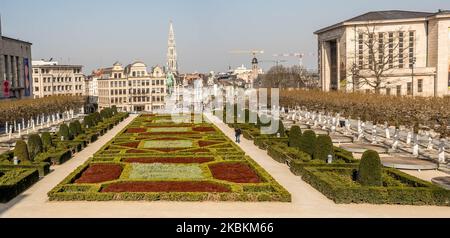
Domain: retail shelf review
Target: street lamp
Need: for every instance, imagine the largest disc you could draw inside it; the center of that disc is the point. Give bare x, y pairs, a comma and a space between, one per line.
413, 62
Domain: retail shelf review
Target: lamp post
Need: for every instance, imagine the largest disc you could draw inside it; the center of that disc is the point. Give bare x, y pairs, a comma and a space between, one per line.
413, 62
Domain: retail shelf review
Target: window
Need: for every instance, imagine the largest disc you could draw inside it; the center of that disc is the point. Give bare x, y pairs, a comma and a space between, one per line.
399, 90
388, 91
420, 85
36, 89
36, 80
36, 71
361, 51
411, 49
400, 49
391, 50
371, 52
409, 88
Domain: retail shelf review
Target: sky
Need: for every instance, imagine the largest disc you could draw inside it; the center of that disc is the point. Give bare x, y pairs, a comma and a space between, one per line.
97, 33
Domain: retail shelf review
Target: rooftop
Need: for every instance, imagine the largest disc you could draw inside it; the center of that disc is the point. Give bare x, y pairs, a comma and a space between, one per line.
12, 39
386, 16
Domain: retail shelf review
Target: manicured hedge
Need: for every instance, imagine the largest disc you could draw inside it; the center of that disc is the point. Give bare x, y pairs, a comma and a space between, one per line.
15, 181
221, 150
417, 192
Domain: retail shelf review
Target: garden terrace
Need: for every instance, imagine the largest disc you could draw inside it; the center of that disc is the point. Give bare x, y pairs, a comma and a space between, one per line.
338, 180
433, 113
157, 158
41, 151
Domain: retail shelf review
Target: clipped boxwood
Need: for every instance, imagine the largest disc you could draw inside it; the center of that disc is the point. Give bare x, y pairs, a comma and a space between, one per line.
15, 181
34, 146
369, 173
47, 142
64, 132
323, 148
407, 190
73, 129
307, 142
294, 136
21, 151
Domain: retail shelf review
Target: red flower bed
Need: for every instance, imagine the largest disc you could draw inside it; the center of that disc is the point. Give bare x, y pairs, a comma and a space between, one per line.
234, 172
182, 186
136, 130
204, 129
170, 160
130, 144
207, 143
98, 173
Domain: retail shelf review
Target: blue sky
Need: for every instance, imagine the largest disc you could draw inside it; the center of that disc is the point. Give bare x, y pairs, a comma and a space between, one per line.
96, 33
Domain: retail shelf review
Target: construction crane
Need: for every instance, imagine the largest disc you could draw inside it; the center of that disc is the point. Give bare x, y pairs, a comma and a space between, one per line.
300, 56
276, 62
253, 52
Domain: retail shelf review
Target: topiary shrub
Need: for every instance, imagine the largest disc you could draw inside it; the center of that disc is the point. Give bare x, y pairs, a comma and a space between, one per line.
294, 136
281, 129
88, 121
369, 173
21, 151
323, 148
46, 141
96, 118
34, 146
73, 130
79, 127
307, 142
114, 110
64, 132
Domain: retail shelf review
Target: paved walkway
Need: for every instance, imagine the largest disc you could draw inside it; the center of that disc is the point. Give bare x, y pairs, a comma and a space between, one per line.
307, 202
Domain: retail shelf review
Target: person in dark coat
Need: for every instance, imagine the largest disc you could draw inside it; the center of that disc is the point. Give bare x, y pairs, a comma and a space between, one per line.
238, 133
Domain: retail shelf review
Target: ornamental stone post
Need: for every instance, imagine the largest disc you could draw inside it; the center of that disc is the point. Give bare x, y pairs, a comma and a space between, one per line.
441, 152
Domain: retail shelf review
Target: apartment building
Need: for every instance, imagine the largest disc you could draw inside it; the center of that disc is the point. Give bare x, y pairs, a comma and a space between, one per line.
51, 78
392, 52
131, 88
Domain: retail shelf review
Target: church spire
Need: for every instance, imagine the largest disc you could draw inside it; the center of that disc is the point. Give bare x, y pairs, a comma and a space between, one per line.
172, 63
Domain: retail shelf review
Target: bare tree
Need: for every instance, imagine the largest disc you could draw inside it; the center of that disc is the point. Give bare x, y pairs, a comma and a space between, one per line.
295, 76
276, 76
377, 55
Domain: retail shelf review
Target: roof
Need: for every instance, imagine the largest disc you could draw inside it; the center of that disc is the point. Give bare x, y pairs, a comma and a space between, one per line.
385, 16
389, 15
58, 66
12, 39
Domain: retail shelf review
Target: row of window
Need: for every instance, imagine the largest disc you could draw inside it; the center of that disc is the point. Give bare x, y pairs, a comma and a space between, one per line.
409, 89
394, 47
136, 83
58, 79
58, 88
136, 91
133, 99
47, 71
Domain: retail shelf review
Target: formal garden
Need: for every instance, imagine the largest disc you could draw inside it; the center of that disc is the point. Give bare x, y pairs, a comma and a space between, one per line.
334, 171
157, 158
32, 158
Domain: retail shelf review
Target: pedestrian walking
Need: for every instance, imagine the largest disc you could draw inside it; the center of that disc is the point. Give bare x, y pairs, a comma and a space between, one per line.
238, 133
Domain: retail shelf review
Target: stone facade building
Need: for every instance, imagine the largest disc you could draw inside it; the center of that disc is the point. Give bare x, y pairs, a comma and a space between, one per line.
51, 78
15, 64
404, 53
131, 88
